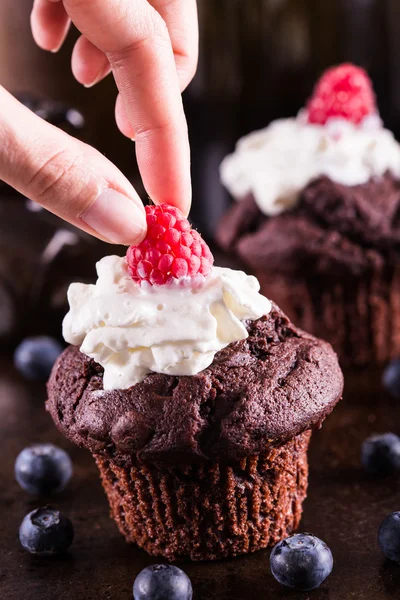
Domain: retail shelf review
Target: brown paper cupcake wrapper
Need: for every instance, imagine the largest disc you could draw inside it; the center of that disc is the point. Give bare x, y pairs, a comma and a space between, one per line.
209, 511
360, 317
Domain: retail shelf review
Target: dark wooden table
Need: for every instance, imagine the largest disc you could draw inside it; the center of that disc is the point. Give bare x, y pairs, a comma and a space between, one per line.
344, 508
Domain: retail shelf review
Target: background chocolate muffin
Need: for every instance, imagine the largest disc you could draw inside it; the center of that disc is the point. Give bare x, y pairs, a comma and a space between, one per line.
324, 239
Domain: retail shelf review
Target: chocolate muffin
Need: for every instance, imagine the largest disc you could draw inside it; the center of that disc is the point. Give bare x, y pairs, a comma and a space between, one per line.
322, 235
205, 462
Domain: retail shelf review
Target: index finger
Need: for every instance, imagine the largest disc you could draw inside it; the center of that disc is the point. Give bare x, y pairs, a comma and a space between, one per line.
139, 50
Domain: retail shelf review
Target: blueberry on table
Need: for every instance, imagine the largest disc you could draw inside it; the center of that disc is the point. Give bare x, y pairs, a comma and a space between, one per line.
42, 469
389, 536
162, 582
46, 532
301, 562
35, 356
391, 378
380, 454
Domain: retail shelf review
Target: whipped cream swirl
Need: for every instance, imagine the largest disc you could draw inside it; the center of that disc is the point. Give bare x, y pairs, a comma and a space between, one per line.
276, 163
133, 330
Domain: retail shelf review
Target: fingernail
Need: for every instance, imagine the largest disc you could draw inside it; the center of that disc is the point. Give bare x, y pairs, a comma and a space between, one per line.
96, 80
116, 217
57, 48
90, 85
188, 206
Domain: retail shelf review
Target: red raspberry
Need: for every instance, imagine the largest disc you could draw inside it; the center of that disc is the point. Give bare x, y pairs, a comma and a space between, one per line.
171, 249
345, 92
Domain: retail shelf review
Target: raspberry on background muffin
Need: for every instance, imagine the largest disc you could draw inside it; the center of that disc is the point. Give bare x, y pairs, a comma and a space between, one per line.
318, 217
195, 394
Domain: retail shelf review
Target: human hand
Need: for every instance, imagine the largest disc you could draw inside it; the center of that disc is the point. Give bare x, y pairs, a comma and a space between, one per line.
151, 47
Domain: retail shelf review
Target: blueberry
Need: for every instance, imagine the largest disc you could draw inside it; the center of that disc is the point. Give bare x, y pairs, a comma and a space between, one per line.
302, 562
380, 454
42, 469
391, 377
45, 531
162, 582
35, 356
389, 536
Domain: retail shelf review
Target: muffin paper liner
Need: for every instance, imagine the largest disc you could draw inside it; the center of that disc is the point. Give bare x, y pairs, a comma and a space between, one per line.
209, 511
360, 317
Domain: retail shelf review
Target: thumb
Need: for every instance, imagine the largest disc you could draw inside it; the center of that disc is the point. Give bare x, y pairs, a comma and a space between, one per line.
66, 176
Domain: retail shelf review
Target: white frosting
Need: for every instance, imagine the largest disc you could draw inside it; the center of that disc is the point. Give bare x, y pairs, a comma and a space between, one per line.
133, 330
277, 162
